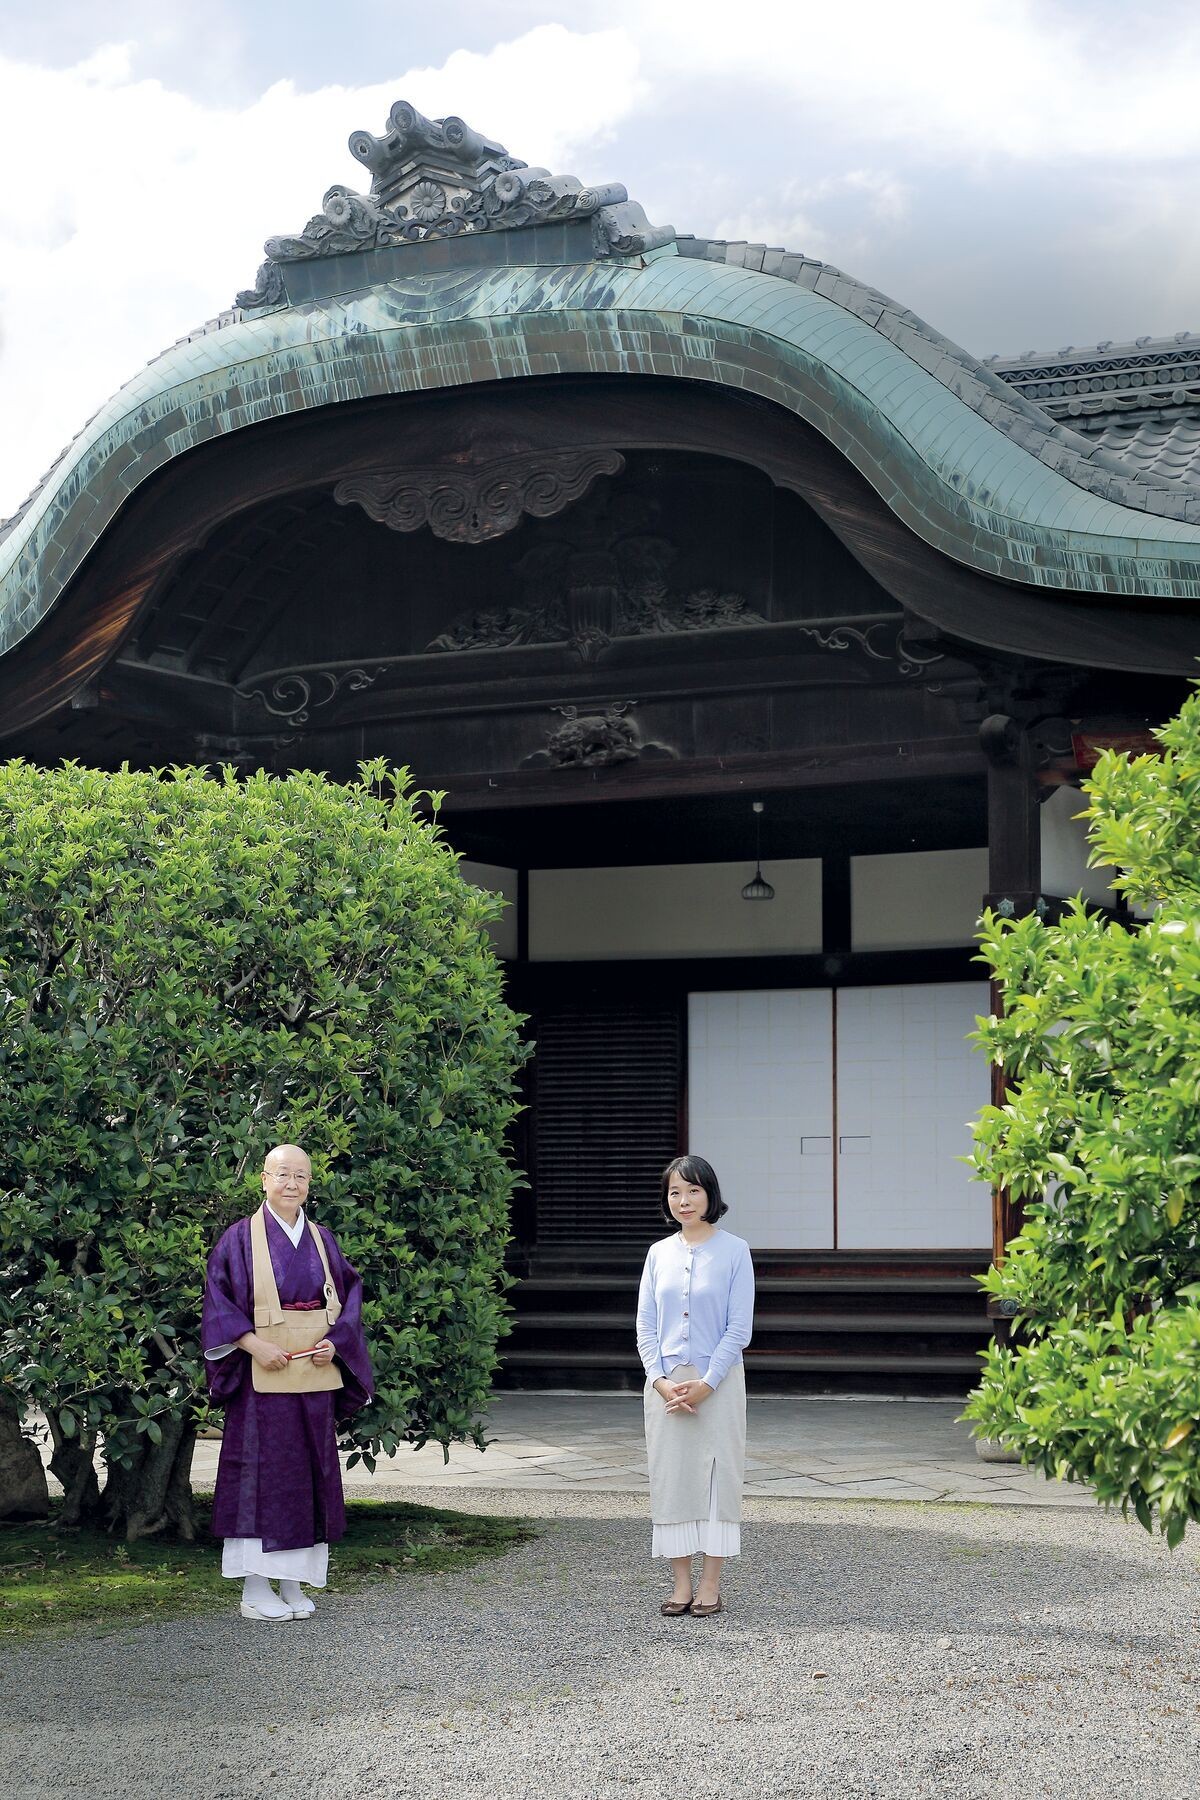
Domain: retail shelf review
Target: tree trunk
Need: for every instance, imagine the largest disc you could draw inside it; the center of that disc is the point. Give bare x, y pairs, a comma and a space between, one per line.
73, 1464
23, 1490
156, 1493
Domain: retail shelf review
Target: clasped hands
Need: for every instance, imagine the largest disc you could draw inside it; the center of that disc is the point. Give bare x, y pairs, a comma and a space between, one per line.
270, 1356
682, 1396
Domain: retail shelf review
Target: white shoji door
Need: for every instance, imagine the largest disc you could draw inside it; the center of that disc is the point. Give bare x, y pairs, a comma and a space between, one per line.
760, 1108
908, 1083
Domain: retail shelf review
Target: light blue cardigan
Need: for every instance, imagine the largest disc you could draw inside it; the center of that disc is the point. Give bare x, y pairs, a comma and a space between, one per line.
695, 1305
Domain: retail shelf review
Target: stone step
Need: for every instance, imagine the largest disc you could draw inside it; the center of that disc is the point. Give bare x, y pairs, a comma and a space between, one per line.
763, 1284
774, 1299
907, 1323
590, 1262
760, 1364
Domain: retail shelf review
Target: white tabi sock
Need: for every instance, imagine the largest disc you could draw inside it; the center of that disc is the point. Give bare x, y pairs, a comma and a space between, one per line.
258, 1593
294, 1596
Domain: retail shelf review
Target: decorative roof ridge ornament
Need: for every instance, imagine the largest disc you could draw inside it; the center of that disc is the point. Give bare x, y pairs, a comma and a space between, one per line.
436, 178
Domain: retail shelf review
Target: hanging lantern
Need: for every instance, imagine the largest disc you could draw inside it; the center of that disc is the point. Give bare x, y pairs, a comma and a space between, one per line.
758, 888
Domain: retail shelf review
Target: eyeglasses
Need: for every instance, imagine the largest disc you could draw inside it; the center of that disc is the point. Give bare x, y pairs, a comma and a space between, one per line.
301, 1180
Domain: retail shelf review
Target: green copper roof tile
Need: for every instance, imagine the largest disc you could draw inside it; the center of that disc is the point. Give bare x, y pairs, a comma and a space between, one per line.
895, 407
1090, 515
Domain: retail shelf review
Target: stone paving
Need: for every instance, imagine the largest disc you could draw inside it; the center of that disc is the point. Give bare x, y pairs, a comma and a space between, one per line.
834, 1448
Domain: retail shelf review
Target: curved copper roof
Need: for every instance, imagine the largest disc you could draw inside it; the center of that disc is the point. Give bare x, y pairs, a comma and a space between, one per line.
971, 464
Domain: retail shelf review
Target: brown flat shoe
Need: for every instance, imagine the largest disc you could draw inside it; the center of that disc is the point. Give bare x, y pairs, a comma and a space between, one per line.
706, 1612
675, 1609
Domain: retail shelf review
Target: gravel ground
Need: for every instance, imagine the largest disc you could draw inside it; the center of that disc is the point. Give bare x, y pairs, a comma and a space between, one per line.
965, 1651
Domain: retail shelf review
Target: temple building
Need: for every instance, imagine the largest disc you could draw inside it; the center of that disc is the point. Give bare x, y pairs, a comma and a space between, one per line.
756, 634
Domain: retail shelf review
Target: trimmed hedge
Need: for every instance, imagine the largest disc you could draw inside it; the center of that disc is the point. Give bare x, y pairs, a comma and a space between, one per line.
193, 968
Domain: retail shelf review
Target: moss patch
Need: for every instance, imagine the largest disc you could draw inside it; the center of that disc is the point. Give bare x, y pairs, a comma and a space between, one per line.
54, 1581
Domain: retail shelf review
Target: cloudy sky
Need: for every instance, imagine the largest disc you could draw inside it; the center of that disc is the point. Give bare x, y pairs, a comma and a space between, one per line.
1023, 173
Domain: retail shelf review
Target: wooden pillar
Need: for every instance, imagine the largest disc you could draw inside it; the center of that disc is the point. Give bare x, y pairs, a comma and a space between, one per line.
1014, 884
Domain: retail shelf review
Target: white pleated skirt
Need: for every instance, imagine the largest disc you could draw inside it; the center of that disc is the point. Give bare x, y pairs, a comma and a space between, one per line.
246, 1556
699, 1537
697, 1466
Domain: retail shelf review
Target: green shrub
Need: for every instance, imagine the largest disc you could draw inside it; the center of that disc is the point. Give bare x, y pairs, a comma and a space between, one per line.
191, 970
1100, 1136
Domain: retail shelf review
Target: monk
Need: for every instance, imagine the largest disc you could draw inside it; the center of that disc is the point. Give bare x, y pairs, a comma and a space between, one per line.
277, 1280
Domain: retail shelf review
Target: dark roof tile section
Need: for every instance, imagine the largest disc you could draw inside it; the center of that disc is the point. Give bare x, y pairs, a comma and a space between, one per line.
1168, 447
1107, 378
1138, 402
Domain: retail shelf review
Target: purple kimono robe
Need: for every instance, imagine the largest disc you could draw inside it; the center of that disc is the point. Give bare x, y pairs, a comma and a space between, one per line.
279, 1478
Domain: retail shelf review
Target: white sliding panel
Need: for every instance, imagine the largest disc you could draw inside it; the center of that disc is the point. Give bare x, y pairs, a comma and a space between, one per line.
760, 1108
908, 1084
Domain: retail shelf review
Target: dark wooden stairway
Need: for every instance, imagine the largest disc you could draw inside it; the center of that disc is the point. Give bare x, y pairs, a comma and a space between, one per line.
895, 1322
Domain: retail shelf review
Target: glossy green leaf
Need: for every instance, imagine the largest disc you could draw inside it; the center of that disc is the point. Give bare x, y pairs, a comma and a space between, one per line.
1100, 1041
196, 966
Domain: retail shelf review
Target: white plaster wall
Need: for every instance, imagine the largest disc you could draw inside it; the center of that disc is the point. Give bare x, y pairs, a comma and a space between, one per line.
760, 1108
503, 931
908, 1085
691, 909
916, 900
1064, 850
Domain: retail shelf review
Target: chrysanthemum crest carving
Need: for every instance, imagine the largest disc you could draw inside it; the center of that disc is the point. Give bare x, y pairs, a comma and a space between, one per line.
436, 178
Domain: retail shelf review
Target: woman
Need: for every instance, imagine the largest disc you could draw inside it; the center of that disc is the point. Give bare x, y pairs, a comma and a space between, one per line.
277, 1282
695, 1315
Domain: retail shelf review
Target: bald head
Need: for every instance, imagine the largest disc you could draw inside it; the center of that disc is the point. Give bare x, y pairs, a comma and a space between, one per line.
287, 1156
286, 1174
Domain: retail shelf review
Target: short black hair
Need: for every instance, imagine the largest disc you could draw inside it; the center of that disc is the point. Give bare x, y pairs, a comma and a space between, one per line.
699, 1173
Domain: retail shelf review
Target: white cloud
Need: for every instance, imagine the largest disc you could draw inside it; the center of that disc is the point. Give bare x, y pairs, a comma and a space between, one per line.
149, 209
1019, 171
837, 219
950, 78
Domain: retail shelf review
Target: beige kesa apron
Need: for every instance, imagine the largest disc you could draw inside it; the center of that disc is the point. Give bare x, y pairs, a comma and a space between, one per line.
691, 1453
290, 1331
